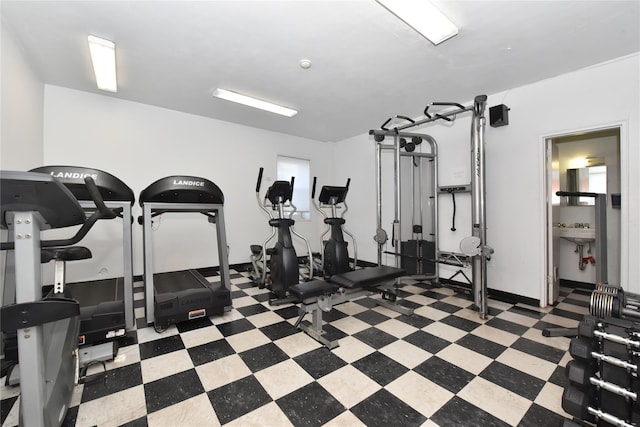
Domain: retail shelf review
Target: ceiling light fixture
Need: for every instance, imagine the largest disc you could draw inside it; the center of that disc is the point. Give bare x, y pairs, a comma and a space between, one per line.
253, 102
423, 17
103, 57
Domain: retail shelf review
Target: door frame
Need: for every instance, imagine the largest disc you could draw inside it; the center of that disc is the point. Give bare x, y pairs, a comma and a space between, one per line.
546, 287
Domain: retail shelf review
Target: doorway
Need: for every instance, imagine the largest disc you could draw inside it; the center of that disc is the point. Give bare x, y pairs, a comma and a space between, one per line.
581, 161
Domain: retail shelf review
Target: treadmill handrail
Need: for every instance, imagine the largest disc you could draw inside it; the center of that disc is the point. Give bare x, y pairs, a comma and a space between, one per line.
102, 212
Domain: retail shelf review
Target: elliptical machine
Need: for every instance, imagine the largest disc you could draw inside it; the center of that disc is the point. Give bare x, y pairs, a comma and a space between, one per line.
335, 255
283, 261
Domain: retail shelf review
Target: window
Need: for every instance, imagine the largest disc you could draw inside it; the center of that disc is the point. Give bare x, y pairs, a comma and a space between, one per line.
287, 167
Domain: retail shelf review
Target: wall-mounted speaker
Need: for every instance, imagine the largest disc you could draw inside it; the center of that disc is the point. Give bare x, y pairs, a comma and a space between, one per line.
499, 116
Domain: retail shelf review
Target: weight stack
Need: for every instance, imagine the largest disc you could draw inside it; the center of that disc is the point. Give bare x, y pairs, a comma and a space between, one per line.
417, 257
603, 377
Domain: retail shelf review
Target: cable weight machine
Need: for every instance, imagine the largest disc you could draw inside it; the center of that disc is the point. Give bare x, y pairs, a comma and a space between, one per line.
474, 246
414, 174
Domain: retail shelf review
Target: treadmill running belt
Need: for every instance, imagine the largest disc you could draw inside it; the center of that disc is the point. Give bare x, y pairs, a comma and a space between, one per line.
95, 292
186, 295
101, 308
177, 281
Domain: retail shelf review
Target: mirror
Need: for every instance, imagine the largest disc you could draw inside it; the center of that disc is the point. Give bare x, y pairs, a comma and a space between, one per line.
591, 179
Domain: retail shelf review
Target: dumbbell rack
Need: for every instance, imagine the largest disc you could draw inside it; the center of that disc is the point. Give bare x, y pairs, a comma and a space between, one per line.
603, 378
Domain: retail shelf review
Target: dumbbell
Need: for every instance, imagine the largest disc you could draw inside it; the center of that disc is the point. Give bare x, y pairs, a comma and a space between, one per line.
578, 403
583, 375
585, 350
589, 327
630, 367
582, 348
578, 372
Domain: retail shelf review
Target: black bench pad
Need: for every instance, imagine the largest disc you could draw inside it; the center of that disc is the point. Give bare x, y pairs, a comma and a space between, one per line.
311, 289
366, 277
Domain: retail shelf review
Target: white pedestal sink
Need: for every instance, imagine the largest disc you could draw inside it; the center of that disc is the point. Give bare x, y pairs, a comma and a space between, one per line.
579, 236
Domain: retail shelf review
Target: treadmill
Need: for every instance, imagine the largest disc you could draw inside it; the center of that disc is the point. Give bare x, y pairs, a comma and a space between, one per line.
180, 296
106, 306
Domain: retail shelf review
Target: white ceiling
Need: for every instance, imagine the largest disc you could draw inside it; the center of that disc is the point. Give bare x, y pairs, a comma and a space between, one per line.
367, 65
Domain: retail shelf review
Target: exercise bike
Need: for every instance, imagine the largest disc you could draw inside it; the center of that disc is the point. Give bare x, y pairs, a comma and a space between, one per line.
335, 255
46, 328
282, 262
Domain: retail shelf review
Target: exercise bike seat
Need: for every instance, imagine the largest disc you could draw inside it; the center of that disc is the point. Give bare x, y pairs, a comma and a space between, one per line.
69, 253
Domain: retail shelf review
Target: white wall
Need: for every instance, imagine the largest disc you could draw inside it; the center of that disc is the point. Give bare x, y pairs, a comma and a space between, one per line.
139, 144
595, 97
21, 113
21, 108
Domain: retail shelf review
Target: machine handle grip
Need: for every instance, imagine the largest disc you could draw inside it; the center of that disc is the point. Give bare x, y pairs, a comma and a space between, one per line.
293, 178
452, 104
259, 183
348, 182
409, 119
313, 188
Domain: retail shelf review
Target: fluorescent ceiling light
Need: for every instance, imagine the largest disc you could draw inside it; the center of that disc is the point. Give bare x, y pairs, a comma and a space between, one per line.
103, 56
423, 17
253, 102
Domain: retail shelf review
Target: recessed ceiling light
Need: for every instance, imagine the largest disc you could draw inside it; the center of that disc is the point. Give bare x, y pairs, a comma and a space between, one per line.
253, 102
423, 17
103, 57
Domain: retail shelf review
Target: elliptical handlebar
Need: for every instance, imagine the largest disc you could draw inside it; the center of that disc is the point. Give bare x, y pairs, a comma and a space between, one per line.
313, 197
259, 183
313, 188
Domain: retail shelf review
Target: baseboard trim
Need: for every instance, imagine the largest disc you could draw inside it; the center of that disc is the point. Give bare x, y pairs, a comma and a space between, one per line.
576, 285
498, 295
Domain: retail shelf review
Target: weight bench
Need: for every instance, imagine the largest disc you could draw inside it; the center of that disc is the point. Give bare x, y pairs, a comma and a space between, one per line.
319, 295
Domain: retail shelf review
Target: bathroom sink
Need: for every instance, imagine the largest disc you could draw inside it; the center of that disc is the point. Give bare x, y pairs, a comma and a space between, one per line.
579, 236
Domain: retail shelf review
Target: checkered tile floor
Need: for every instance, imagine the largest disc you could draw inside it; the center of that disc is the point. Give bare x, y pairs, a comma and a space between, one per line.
441, 366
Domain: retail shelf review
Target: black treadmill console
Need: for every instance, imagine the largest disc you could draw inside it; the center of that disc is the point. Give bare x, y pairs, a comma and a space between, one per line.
110, 187
37, 192
182, 189
279, 192
331, 195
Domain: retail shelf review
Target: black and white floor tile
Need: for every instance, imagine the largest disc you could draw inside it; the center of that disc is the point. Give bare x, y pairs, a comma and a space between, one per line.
441, 366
